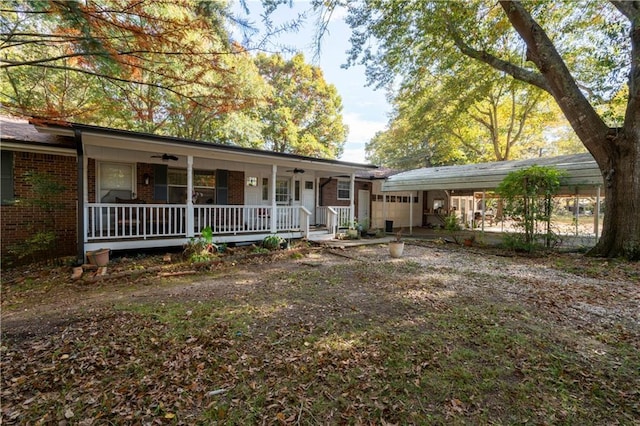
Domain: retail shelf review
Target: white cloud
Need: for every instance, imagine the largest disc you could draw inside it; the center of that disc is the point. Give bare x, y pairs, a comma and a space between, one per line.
360, 132
360, 129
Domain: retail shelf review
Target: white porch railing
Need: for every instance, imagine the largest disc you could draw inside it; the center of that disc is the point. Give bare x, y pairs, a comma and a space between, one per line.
109, 220
245, 219
342, 215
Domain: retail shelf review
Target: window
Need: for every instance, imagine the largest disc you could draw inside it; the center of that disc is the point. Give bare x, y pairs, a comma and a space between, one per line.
282, 191
296, 191
265, 189
204, 186
308, 184
116, 181
252, 181
8, 195
344, 190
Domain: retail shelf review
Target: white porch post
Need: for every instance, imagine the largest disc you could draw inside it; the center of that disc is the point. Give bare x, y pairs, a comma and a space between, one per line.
352, 205
85, 197
274, 204
316, 187
190, 216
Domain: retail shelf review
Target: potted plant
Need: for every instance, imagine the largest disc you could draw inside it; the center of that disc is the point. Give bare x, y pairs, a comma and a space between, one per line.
354, 230
469, 240
396, 247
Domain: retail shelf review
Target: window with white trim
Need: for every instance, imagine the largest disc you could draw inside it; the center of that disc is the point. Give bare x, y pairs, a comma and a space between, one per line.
344, 190
115, 181
7, 190
282, 191
204, 186
265, 189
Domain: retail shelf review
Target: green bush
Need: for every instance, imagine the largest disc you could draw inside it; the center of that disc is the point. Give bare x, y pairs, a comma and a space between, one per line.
273, 242
528, 195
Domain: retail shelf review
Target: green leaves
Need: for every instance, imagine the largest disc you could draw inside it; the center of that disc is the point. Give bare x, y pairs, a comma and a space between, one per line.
527, 194
303, 115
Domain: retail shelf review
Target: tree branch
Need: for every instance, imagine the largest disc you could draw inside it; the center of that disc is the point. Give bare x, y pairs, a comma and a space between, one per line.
585, 121
499, 64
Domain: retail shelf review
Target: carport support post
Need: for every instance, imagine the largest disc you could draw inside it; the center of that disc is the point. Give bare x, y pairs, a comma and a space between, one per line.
596, 216
190, 215
576, 210
483, 211
410, 213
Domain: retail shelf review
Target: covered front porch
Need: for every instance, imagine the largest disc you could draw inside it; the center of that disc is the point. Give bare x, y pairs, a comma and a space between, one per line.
143, 191
129, 226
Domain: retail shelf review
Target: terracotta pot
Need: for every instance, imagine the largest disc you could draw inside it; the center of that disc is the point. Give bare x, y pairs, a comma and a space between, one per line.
98, 257
396, 248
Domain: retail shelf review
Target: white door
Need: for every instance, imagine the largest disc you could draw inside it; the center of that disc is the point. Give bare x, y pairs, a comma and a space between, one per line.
363, 208
309, 198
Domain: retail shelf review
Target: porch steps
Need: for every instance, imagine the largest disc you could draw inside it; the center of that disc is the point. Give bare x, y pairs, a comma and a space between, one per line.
319, 235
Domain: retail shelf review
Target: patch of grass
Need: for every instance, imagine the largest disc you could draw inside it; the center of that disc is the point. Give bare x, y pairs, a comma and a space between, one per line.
335, 344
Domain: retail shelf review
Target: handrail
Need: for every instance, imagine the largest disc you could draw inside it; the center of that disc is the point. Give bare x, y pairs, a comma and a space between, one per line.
332, 221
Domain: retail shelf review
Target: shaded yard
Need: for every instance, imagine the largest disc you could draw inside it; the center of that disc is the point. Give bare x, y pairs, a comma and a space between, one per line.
442, 336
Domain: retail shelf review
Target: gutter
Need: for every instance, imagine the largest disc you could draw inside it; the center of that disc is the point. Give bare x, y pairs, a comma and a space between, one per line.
77, 135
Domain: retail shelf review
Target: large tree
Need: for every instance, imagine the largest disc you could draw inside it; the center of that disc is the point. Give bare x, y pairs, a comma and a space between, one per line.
581, 53
304, 112
440, 118
137, 64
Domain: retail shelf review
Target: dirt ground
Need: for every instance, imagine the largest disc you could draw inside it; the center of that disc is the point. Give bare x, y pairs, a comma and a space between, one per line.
444, 335
38, 300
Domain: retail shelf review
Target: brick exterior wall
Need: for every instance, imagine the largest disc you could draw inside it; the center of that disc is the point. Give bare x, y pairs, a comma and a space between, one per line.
20, 221
144, 192
91, 179
329, 195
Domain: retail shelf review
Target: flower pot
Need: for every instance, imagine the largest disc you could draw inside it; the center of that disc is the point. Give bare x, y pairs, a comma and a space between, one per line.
98, 257
396, 248
352, 233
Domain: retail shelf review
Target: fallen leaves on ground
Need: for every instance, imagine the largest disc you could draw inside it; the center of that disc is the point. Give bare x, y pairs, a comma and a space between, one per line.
439, 336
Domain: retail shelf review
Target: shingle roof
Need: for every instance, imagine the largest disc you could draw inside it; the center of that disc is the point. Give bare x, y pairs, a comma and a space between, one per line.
13, 129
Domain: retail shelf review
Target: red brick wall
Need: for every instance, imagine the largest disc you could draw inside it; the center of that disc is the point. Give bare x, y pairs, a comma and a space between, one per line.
144, 192
236, 188
21, 221
330, 193
91, 180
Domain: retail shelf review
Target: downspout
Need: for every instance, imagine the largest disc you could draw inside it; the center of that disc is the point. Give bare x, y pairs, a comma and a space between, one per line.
321, 188
80, 228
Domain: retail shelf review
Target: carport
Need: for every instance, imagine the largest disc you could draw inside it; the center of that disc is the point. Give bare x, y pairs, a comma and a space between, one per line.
583, 179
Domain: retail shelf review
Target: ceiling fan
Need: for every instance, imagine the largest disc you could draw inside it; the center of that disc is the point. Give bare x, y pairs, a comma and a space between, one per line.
166, 157
296, 170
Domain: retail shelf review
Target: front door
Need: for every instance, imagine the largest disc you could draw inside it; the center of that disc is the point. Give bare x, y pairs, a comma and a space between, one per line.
309, 199
363, 208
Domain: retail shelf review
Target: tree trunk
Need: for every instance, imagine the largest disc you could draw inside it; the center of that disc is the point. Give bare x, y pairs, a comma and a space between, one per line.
621, 227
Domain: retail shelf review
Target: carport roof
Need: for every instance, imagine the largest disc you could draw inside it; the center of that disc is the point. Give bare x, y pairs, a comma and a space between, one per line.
581, 170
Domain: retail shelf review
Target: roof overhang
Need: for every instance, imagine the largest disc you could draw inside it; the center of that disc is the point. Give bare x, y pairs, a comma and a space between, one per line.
581, 171
99, 139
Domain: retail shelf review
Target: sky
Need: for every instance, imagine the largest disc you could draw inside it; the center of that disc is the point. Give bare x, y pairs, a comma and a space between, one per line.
365, 110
